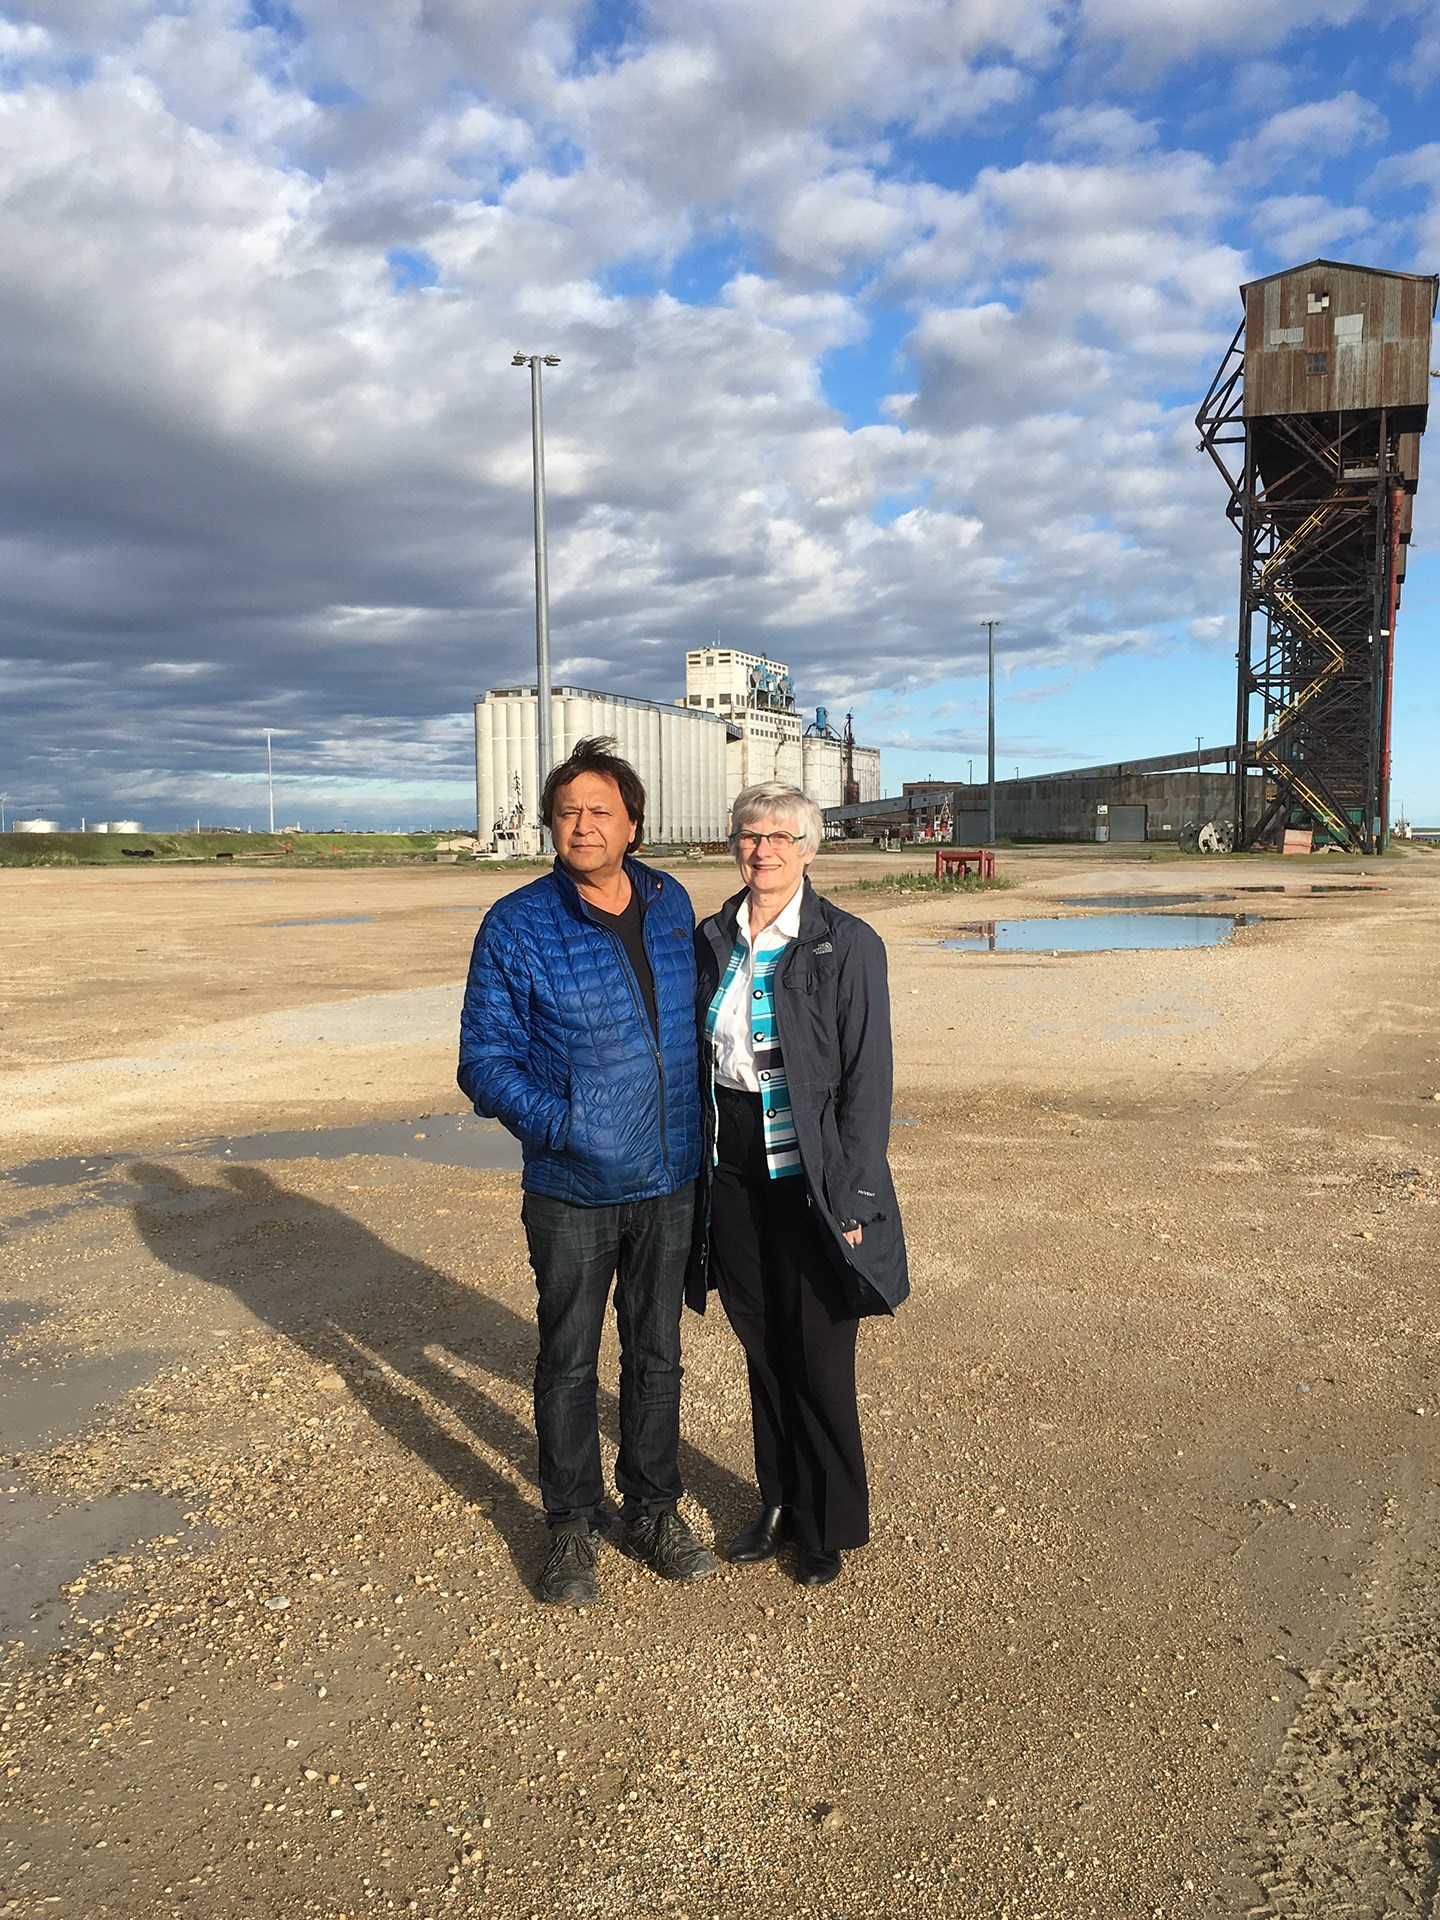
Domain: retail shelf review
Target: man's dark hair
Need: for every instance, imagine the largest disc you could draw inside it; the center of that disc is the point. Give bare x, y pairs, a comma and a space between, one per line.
598, 756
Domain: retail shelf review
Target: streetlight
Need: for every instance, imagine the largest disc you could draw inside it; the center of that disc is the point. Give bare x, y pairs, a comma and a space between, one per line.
270, 777
544, 744
990, 626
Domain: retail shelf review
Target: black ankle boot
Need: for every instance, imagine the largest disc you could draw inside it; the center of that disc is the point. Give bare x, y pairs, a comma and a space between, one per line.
817, 1566
761, 1539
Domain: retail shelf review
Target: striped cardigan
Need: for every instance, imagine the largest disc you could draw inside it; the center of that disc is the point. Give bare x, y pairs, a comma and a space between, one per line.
782, 1148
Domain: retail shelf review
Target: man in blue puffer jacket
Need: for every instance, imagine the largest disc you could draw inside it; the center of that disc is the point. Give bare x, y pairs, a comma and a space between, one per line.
578, 1034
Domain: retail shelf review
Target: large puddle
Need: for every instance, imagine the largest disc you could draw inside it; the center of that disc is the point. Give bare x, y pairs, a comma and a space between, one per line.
445, 1139
328, 920
47, 1543
1099, 933
46, 1399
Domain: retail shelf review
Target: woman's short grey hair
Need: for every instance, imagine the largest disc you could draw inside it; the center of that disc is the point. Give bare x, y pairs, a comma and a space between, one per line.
789, 806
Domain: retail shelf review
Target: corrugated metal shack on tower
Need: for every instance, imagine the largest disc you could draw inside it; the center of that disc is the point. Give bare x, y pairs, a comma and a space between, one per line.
1315, 420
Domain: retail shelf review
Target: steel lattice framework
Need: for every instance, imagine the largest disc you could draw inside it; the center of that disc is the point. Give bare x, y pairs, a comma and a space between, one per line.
1319, 501
1314, 419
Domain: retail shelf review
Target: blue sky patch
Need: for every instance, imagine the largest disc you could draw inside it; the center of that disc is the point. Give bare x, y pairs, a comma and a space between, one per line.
410, 268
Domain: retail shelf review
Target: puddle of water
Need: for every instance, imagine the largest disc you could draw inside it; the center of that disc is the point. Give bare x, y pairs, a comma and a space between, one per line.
69, 1171
47, 1544
327, 920
459, 910
23, 1223
442, 1139
1320, 886
1139, 902
15, 1314
1099, 933
42, 1405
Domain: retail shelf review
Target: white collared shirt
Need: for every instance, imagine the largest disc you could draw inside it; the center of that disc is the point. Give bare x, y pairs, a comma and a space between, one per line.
734, 1042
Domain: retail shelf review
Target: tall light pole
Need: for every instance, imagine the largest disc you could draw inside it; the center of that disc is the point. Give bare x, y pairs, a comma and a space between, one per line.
990, 626
544, 743
270, 778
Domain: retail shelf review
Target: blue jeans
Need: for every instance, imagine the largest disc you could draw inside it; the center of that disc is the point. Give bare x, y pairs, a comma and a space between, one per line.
576, 1252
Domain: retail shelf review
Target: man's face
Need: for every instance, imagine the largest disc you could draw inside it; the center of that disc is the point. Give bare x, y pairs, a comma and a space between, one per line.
590, 827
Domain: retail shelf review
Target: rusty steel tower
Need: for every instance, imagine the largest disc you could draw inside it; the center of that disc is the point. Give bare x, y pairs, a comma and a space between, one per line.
1314, 419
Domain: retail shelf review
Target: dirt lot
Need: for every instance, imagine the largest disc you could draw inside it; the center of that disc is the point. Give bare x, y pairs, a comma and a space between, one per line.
1147, 1627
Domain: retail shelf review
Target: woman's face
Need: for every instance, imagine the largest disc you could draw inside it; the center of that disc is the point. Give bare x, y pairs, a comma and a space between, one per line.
771, 856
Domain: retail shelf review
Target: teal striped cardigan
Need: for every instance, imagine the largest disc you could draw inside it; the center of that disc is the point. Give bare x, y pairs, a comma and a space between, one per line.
782, 1148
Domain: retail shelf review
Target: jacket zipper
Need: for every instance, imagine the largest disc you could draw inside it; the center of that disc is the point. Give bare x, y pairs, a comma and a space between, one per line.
634, 987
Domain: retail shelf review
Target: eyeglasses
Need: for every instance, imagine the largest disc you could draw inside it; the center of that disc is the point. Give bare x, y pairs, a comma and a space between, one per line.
752, 842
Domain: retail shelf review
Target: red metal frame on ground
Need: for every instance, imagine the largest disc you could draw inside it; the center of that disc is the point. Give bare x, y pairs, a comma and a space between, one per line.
959, 860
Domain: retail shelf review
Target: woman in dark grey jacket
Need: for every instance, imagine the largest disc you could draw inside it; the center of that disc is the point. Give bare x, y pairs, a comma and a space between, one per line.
798, 1227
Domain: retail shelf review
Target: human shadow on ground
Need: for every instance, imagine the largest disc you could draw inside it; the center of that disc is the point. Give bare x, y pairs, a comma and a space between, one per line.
354, 1303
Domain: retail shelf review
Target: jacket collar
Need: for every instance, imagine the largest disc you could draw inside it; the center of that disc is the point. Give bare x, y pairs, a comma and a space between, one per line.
813, 922
814, 915
646, 882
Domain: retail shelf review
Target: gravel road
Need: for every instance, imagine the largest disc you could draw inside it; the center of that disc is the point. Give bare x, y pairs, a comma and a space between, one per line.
1147, 1627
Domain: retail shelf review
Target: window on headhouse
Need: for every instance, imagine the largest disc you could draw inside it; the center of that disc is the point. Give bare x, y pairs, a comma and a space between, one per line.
1317, 303
1317, 362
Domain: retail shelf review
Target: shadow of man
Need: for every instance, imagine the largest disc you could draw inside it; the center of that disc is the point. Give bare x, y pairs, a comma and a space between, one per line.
387, 1323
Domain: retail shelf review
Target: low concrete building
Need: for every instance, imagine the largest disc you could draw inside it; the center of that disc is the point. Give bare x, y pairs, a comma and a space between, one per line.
1170, 797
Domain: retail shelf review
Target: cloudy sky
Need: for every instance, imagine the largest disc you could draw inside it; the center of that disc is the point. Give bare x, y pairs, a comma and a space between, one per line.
876, 317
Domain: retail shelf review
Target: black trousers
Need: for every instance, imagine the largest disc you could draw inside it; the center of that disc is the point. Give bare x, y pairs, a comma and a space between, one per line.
783, 1298
576, 1253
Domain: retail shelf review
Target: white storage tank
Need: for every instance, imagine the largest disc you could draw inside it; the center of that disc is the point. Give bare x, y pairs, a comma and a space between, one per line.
679, 754
35, 826
122, 826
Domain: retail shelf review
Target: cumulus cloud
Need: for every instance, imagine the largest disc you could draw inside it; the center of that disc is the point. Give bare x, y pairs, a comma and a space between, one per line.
1301, 141
1180, 29
266, 461
1306, 225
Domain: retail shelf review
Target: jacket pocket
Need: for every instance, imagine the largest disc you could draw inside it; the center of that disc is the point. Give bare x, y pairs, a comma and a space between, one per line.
832, 1170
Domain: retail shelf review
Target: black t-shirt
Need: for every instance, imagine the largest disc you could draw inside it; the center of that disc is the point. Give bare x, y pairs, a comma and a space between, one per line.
629, 928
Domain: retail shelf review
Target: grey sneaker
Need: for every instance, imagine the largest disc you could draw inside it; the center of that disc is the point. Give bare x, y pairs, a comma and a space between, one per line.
567, 1578
663, 1541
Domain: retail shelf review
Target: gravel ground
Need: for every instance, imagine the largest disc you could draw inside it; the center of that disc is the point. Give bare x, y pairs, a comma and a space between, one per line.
1146, 1628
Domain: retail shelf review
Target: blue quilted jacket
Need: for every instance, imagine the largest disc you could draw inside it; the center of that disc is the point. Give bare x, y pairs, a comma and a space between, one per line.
555, 1042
